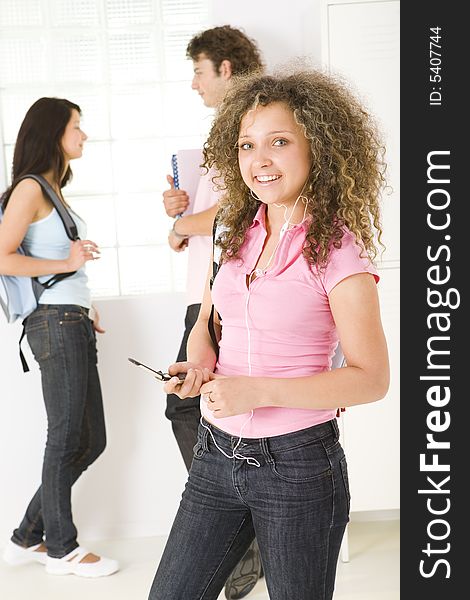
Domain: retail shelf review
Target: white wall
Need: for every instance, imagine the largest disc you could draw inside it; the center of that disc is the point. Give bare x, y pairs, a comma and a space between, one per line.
283, 29
360, 41
134, 488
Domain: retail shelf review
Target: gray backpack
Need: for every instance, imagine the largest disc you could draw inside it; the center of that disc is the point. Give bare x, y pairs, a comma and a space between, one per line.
19, 295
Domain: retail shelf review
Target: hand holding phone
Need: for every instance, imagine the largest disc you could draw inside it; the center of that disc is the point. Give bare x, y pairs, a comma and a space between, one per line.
160, 375
195, 376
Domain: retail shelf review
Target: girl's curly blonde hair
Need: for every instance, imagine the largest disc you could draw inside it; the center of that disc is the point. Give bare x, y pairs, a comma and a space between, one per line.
347, 172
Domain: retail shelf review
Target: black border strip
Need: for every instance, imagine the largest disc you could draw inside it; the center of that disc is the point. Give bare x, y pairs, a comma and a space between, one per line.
434, 234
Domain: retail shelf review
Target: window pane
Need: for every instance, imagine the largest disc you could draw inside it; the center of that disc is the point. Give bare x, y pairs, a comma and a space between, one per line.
95, 120
136, 113
77, 58
138, 164
141, 220
92, 172
183, 11
122, 13
99, 215
145, 269
175, 42
20, 14
15, 105
133, 57
70, 12
124, 64
103, 274
184, 112
22, 60
172, 145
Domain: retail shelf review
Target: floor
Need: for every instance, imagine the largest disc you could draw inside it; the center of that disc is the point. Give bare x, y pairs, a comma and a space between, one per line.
372, 572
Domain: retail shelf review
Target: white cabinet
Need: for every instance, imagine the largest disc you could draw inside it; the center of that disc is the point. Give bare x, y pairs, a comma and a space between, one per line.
360, 42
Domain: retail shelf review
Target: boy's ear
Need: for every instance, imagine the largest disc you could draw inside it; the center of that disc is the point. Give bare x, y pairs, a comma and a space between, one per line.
225, 69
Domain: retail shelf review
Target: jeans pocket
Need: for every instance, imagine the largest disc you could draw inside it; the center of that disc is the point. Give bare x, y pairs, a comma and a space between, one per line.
301, 464
39, 339
71, 317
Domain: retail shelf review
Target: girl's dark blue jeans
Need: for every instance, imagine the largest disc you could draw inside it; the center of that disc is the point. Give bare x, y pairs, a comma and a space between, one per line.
296, 502
63, 342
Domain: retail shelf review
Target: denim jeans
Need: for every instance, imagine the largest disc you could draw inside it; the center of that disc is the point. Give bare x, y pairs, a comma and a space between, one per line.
297, 502
63, 342
185, 414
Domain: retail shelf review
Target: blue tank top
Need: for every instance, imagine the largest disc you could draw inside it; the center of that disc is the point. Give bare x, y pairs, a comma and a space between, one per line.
47, 239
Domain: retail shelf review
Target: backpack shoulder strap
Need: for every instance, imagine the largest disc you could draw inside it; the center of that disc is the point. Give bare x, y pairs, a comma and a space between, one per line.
69, 226
66, 217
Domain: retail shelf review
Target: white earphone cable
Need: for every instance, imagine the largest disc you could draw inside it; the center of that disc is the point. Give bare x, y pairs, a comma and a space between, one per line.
258, 272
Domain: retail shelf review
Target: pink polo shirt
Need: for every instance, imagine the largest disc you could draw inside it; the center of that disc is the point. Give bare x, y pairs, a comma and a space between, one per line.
282, 324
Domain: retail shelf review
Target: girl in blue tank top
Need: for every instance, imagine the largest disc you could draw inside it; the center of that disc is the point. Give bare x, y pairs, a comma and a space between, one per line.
61, 335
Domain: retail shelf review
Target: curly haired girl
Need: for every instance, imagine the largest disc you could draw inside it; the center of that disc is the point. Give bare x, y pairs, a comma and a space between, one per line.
300, 164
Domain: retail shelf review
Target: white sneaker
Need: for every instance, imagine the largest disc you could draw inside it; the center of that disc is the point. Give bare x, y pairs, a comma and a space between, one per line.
71, 565
14, 555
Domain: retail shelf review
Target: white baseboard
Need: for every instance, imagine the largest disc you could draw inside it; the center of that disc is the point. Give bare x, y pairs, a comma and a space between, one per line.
376, 515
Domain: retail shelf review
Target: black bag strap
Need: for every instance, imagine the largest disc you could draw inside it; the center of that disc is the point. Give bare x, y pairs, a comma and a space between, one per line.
215, 264
215, 268
22, 356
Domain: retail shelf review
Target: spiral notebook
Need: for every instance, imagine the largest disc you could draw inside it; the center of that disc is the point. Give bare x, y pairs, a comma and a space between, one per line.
187, 172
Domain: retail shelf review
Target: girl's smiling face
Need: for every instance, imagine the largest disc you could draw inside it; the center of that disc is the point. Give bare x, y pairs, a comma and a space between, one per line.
273, 154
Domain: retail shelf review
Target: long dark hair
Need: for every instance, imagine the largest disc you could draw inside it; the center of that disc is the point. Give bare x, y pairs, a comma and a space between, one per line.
38, 144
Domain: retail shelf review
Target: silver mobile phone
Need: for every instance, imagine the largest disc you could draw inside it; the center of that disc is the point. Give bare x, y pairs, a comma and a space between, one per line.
157, 374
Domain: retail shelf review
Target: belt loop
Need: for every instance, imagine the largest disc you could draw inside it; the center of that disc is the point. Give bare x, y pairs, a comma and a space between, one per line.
264, 443
204, 437
334, 425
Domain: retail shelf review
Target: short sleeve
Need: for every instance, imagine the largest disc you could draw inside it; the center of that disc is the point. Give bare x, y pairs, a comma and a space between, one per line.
350, 259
